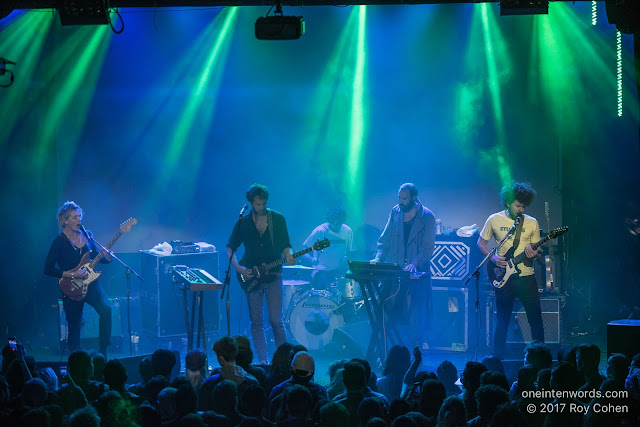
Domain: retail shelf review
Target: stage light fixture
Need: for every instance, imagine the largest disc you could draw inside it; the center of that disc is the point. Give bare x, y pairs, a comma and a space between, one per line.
278, 26
84, 12
624, 14
524, 7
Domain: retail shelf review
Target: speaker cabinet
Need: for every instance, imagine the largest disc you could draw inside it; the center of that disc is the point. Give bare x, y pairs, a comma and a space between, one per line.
519, 331
623, 336
451, 324
161, 298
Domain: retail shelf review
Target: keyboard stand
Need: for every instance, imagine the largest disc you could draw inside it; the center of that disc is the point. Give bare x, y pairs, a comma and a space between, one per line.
195, 281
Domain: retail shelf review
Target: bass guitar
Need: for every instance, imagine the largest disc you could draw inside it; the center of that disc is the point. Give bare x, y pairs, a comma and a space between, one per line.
261, 272
76, 288
499, 276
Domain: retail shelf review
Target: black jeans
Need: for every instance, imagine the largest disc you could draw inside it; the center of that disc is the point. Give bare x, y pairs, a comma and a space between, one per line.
526, 289
97, 298
409, 307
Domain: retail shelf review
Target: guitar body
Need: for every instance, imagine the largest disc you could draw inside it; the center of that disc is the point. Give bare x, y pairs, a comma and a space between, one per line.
499, 276
76, 288
260, 275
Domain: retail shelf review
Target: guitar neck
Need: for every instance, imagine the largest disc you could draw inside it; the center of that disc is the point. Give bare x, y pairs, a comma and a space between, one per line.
97, 259
283, 260
546, 212
521, 256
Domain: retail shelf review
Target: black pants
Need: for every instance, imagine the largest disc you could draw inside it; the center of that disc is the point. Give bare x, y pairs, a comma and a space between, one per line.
96, 298
409, 308
526, 289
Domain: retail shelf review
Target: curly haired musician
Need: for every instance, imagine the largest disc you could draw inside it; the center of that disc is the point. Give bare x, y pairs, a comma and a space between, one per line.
515, 197
65, 253
264, 235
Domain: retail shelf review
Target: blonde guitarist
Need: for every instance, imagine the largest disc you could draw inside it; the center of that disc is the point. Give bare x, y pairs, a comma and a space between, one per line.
515, 197
65, 254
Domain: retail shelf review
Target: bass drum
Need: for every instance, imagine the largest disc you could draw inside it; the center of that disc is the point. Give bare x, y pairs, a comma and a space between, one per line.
313, 317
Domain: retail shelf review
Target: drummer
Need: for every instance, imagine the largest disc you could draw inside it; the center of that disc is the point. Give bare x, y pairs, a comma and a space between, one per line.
332, 261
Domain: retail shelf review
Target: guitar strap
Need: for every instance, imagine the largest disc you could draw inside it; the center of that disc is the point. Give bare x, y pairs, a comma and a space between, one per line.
516, 240
270, 225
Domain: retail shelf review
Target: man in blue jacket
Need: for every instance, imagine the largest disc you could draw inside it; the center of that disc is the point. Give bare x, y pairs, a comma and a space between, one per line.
408, 239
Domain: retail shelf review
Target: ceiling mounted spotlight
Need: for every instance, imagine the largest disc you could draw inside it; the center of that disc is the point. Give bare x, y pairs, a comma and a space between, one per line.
524, 7
278, 26
83, 12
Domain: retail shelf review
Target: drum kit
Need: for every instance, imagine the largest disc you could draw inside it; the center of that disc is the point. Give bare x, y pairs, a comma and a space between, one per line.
317, 303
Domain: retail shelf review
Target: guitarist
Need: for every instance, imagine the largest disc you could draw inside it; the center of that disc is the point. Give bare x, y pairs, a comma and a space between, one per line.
65, 254
264, 235
515, 197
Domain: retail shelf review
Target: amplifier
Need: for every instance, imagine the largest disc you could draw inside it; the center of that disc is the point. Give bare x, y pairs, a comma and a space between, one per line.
519, 331
451, 325
186, 249
161, 299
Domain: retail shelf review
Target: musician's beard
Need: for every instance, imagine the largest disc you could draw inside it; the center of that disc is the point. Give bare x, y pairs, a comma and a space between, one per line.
407, 208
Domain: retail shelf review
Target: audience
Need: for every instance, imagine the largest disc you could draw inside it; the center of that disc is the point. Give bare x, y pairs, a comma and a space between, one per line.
395, 367
587, 361
280, 366
470, 380
244, 359
233, 397
302, 370
448, 375
452, 413
146, 372
196, 367
226, 349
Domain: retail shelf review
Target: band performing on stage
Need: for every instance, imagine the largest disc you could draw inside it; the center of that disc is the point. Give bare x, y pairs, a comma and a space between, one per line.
316, 293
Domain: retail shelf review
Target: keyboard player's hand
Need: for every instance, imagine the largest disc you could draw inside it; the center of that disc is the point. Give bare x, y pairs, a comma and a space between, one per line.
410, 268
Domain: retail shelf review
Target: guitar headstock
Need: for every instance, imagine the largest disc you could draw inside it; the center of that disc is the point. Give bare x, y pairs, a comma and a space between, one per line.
546, 210
125, 227
558, 231
321, 244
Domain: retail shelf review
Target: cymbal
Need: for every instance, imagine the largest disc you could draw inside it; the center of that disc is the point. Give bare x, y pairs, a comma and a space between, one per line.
298, 267
295, 283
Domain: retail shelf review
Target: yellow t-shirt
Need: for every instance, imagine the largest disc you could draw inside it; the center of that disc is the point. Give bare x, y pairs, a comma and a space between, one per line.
499, 224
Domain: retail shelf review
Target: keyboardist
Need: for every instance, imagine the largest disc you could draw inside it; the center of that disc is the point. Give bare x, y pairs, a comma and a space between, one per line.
408, 239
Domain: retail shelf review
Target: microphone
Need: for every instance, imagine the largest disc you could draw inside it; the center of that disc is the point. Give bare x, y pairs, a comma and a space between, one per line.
243, 210
81, 227
515, 224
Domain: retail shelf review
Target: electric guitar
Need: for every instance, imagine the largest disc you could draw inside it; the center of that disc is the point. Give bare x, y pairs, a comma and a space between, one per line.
499, 276
76, 288
261, 272
549, 260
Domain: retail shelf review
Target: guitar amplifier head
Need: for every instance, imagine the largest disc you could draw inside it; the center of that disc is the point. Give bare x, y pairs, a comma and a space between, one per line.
186, 249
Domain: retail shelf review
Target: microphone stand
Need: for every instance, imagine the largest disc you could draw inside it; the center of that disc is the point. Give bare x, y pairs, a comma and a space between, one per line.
128, 270
476, 274
227, 278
